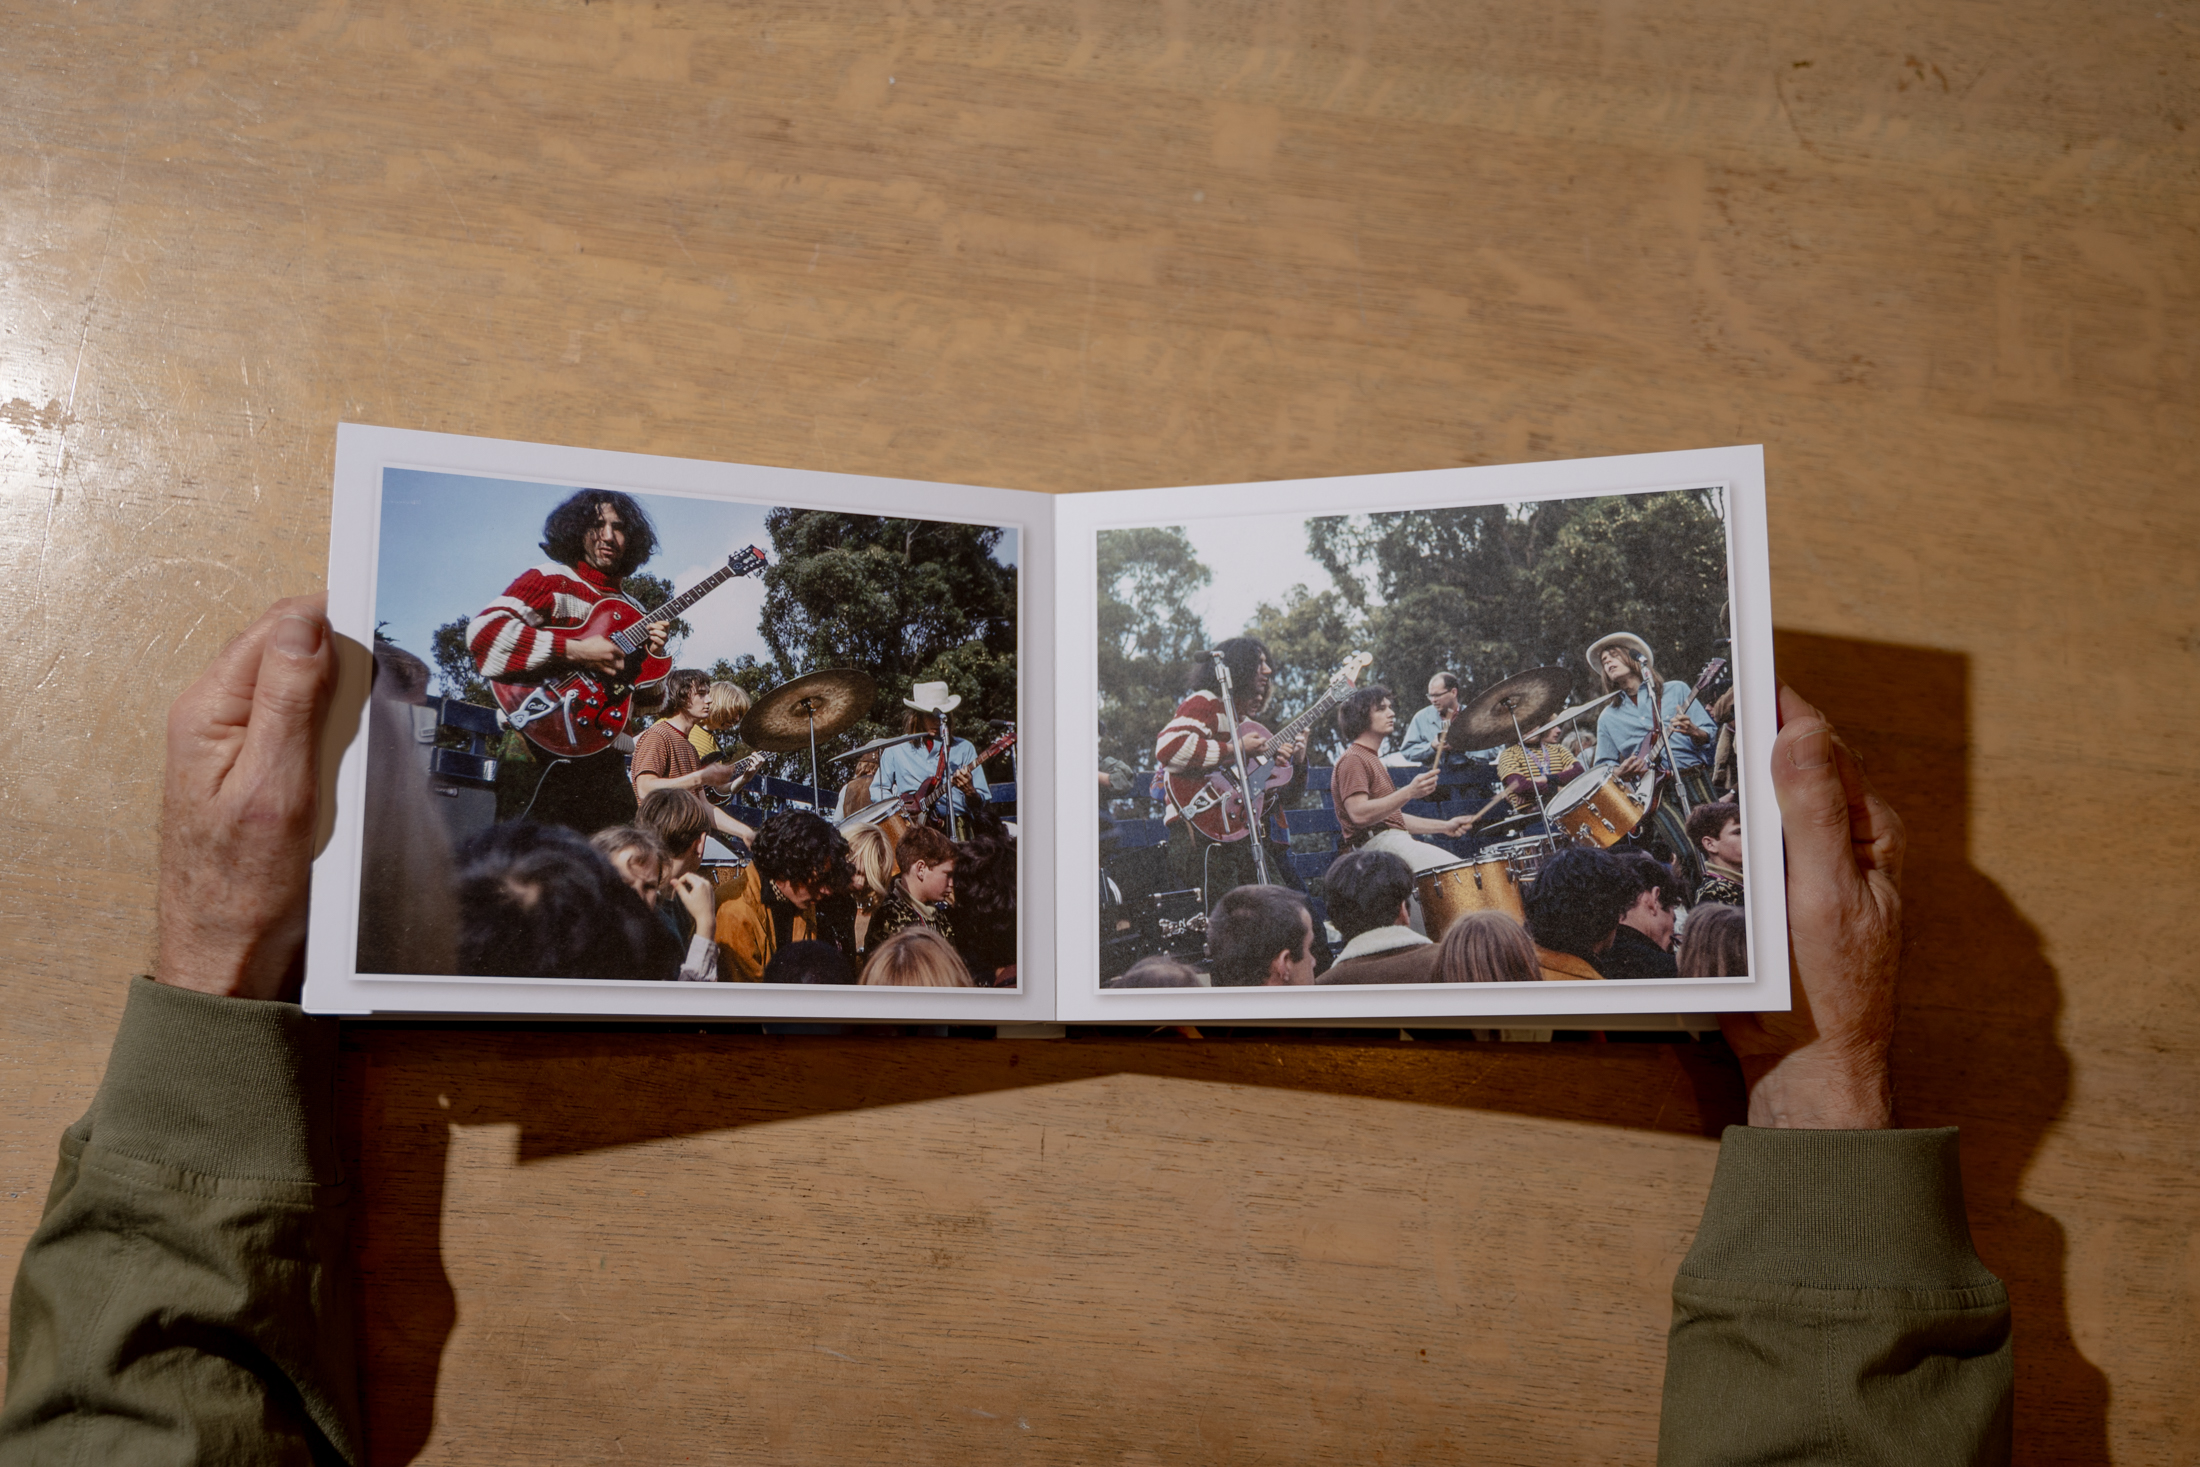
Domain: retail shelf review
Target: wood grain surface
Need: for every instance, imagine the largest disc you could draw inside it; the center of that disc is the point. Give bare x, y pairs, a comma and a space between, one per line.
1940, 258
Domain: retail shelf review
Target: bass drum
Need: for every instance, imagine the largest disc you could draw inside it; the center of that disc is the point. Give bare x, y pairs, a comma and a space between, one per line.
1596, 807
1488, 883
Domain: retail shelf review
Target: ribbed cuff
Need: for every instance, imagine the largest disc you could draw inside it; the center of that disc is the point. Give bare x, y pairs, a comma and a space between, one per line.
1837, 1210
226, 1087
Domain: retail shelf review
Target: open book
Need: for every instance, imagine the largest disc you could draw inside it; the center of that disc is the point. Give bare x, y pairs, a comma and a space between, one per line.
628, 736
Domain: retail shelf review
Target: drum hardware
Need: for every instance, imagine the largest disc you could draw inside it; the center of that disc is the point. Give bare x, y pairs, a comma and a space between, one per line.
813, 706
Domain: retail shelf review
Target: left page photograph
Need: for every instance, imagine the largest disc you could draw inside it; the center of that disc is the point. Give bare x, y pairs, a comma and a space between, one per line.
629, 736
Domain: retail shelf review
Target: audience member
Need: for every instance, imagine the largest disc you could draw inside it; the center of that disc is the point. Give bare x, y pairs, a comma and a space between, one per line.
985, 901
1487, 947
1367, 892
687, 902
917, 896
538, 901
871, 857
916, 957
810, 961
799, 858
1716, 944
1716, 831
1260, 935
1574, 910
1157, 972
1643, 946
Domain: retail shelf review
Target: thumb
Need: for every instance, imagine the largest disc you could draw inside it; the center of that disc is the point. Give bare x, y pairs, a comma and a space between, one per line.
297, 673
1806, 780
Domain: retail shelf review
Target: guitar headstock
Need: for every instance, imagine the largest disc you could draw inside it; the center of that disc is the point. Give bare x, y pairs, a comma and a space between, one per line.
1348, 675
746, 562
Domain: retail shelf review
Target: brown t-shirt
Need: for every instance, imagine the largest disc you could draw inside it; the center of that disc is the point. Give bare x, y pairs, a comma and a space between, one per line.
1359, 772
664, 751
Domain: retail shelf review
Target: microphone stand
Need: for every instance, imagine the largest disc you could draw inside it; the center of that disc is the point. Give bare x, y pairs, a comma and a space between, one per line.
1657, 721
1245, 789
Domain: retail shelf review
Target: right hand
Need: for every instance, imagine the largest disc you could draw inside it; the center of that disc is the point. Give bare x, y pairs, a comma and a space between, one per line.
700, 898
1424, 784
1255, 744
1824, 1065
1632, 765
717, 776
596, 654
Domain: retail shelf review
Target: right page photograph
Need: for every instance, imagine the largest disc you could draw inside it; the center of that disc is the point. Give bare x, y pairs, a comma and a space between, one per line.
1476, 741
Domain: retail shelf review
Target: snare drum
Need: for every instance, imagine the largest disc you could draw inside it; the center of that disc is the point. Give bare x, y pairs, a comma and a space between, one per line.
1488, 883
1596, 807
1524, 857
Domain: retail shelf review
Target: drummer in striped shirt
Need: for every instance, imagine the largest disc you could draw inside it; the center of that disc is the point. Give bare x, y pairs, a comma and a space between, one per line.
1533, 773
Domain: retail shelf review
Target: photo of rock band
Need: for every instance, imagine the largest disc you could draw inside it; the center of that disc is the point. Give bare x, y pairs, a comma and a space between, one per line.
573, 804
1573, 820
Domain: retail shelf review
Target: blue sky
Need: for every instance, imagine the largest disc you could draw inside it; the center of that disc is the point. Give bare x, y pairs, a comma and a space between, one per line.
452, 542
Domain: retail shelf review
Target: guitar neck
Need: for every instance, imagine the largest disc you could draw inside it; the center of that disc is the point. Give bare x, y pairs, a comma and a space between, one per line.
638, 633
1289, 733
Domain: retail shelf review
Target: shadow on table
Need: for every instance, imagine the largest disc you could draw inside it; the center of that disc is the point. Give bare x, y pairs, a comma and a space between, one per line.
1977, 1049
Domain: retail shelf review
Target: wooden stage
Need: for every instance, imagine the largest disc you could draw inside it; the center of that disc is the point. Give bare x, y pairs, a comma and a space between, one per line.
1940, 259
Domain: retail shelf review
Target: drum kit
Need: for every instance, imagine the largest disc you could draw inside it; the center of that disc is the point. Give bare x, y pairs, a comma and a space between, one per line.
1595, 809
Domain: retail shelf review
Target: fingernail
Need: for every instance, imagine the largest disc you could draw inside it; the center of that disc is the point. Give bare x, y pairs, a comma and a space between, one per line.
1813, 750
298, 636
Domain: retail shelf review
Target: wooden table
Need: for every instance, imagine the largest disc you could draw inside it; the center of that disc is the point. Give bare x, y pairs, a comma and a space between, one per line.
1939, 258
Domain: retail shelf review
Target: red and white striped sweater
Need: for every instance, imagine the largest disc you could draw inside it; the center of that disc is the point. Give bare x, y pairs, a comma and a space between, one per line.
522, 634
1191, 742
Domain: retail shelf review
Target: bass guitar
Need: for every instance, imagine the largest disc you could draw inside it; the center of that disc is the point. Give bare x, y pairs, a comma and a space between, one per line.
579, 713
1212, 801
914, 803
722, 794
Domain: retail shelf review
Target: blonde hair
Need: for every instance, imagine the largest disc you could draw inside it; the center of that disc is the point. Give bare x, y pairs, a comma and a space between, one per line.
729, 704
1487, 947
873, 857
917, 957
1715, 943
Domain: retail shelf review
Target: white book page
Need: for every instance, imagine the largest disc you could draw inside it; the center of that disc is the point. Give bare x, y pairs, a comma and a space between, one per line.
1247, 530
380, 551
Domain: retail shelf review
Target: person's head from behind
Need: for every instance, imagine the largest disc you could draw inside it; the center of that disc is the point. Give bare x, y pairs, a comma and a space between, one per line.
800, 857
916, 957
637, 855
679, 819
729, 704
601, 529
1577, 901
1716, 943
1156, 972
1366, 890
1487, 947
538, 901
1260, 935
1657, 893
1716, 831
871, 856
1366, 709
808, 962
927, 860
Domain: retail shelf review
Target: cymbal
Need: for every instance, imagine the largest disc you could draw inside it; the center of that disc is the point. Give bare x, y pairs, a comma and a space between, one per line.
870, 814
1568, 715
827, 701
874, 746
1529, 697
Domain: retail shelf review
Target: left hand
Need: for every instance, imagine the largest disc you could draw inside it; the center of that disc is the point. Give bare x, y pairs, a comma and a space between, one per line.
1685, 726
1290, 752
237, 808
965, 782
658, 632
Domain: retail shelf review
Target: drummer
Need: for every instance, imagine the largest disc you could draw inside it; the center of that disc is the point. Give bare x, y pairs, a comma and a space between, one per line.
1370, 808
904, 768
1538, 769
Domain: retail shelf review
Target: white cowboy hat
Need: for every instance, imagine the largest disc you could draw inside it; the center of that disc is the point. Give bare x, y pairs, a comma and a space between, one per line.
932, 698
1629, 640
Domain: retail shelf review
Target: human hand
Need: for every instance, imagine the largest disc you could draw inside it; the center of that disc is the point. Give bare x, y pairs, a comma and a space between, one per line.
1292, 750
237, 808
699, 897
1423, 785
596, 654
717, 776
1460, 826
1255, 744
1823, 1066
965, 782
1684, 725
1631, 766
659, 631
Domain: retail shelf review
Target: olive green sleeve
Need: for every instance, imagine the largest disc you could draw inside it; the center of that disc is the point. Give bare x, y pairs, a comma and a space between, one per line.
186, 1295
1832, 1310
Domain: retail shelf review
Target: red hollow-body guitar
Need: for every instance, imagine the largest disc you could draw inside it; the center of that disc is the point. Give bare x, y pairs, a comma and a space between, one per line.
1215, 805
575, 714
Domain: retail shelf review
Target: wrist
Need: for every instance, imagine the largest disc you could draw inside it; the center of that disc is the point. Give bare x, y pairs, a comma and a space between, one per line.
1820, 1088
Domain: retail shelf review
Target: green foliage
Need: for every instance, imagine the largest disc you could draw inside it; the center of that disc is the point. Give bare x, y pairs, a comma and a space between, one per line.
752, 675
1148, 634
1308, 637
905, 600
456, 676
650, 592
1488, 591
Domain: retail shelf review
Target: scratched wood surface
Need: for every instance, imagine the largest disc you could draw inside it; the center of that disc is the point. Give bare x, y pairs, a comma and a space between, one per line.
1940, 258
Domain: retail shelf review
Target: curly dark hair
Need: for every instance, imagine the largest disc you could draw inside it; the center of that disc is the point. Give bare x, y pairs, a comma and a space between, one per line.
1652, 874
1364, 890
538, 901
1708, 822
562, 531
797, 846
985, 901
1357, 711
1243, 656
1578, 900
